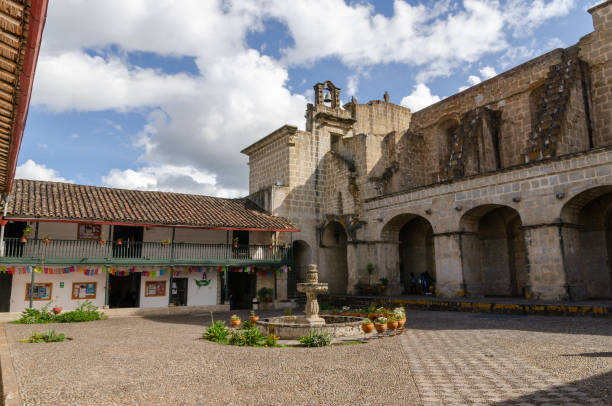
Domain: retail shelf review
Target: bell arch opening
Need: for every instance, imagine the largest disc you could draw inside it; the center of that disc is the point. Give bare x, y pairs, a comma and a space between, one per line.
494, 253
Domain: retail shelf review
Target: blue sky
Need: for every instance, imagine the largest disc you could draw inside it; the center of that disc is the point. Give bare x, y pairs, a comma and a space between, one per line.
164, 95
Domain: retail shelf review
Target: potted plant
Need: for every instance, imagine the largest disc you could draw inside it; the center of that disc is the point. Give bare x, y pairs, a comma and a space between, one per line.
165, 242
384, 282
370, 268
46, 239
381, 325
265, 295
26, 232
119, 241
392, 323
400, 314
235, 242
346, 311
101, 239
367, 326
235, 321
253, 318
57, 309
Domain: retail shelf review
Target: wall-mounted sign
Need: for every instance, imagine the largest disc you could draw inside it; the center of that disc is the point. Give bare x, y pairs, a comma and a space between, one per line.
89, 231
84, 290
155, 288
41, 291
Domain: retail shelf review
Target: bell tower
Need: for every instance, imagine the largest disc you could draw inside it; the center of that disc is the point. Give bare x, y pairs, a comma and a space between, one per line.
326, 94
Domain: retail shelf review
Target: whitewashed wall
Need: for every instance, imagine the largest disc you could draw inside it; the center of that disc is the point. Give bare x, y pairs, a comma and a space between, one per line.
60, 296
154, 301
202, 295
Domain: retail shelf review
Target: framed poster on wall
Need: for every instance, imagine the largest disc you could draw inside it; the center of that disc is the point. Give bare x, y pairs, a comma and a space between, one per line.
155, 288
84, 290
41, 291
89, 231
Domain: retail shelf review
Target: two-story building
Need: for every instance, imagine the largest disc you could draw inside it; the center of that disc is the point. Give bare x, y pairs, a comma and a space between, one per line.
65, 243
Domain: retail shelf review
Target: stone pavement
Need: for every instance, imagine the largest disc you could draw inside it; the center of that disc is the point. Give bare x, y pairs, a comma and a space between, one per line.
453, 367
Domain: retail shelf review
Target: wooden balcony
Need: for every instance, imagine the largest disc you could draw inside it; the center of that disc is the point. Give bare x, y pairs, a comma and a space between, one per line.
66, 252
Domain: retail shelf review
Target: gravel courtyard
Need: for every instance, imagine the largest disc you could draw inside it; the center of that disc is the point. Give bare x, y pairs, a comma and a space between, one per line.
444, 358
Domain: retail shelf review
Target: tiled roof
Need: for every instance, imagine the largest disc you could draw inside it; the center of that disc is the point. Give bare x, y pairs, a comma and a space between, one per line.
67, 201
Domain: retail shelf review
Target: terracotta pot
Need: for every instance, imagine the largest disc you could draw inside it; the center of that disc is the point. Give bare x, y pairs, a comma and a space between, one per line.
380, 328
345, 313
367, 328
235, 323
253, 319
392, 325
101, 242
373, 316
119, 242
57, 310
400, 323
23, 240
46, 241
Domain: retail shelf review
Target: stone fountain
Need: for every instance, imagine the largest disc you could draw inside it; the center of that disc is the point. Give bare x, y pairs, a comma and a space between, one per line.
312, 288
294, 327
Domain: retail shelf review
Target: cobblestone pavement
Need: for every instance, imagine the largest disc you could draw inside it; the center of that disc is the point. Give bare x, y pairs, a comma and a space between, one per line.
444, 358
482, 359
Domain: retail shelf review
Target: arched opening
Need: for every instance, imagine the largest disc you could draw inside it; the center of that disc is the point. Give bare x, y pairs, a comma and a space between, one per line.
415, 250
302, 257
587, 243
494, 252
333, 267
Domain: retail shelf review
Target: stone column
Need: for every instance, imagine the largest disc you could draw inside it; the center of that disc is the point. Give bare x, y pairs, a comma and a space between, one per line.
352, 265
547, 279
388, 265
471, 253
449, 276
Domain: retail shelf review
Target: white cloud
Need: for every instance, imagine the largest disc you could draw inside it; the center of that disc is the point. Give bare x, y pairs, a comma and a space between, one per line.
525, 15
462, 88
31, 170
237, 95
420, 98
473, 80
487, 72
352, 85
170, 178
554, 43
74, 135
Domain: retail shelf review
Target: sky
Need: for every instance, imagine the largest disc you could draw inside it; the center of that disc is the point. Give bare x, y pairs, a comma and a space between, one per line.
163, 95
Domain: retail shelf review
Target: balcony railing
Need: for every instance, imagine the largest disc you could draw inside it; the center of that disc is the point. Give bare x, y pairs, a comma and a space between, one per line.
35, 251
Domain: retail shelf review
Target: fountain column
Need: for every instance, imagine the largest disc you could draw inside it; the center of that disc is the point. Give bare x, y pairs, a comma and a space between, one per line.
312, 288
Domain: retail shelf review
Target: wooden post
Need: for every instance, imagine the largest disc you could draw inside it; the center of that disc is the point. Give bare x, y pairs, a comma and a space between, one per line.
107, 288
34, 269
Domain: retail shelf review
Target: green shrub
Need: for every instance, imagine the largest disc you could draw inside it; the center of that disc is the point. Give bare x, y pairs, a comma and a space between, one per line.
87, 311
247, 338
264, 295
316, 339
217, 332
271, 340
247, 325
48, 337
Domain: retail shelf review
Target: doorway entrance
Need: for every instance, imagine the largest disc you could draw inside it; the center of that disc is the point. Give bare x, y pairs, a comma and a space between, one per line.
241, 289
6, 284
131, 242
178, 295
124, 291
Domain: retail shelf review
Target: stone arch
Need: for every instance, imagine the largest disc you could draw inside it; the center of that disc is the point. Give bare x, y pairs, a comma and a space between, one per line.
413, 237
587, 243
333, 266
494, 253
302, 257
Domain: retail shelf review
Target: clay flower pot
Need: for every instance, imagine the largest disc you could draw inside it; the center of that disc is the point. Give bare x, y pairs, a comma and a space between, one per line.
235, 323
119, 242
392, 325
373, 316
57, 310
380, 328
253, 319
400, 323
367, 328
23, 240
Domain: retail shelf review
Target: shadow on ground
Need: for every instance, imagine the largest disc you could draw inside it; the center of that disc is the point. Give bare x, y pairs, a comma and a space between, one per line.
599, 386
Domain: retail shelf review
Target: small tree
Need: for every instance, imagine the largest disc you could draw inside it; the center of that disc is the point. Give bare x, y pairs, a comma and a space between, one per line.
370, 268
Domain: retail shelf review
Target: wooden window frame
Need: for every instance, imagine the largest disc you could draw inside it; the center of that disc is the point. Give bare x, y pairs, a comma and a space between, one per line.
149, 283
49, 286
88, 297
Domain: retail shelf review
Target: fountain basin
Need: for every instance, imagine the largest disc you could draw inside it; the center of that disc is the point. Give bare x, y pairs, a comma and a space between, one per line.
294, 327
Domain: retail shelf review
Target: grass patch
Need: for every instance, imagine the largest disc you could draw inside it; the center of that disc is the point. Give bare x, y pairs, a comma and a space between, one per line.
48, 337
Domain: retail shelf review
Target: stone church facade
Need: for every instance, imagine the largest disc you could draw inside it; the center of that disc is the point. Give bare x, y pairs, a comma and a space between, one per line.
504, 189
